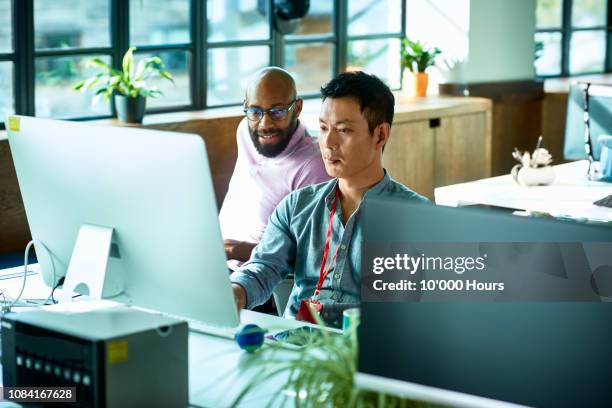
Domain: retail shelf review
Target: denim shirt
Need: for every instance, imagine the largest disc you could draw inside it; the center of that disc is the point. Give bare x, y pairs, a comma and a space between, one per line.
294, 240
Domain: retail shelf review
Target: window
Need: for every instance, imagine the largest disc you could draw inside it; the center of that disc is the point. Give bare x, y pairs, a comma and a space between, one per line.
7, 59
210, 46
375, 48
571, 37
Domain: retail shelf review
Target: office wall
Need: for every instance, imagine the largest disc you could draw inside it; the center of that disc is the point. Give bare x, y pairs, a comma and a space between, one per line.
481, 40
501, 40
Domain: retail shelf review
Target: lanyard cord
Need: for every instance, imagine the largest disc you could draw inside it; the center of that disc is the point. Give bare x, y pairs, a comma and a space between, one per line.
324, 272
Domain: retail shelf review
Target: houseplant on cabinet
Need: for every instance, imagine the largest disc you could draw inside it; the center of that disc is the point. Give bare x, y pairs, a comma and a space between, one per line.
417, 58
127, 86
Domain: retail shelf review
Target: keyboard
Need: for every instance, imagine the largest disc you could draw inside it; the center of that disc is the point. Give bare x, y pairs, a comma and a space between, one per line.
19, 274
197, 326
605, 202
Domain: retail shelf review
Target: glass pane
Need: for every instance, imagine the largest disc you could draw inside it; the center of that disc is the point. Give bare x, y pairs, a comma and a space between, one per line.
229, 70
588, 13
310, 64
6, 37
71, 23
548, 14
6, 84
154, 22
587, 52
230, 20
55, 77
378, 57
374, 16
548, 54
178, 63
318, 20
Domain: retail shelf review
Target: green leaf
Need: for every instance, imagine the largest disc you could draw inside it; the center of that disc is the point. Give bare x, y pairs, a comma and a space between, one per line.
79, 85
128, 63
97, 62
167, 75
140, 69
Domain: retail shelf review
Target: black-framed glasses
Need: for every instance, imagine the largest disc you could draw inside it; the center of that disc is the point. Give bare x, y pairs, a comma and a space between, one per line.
276, 114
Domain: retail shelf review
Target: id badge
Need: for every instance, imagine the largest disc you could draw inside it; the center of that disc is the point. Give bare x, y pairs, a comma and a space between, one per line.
304, 314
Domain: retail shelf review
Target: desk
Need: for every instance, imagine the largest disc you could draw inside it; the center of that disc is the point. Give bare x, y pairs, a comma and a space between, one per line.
217, 370
571, 194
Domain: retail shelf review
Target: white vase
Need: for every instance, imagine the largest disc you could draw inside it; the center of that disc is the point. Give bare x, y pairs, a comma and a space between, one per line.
533, 176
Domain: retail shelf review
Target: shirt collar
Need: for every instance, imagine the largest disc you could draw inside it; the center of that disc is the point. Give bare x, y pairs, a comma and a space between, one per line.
376, 189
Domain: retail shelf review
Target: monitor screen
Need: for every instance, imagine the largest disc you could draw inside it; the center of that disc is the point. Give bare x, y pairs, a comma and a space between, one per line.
600, 119
549, 352
154, 190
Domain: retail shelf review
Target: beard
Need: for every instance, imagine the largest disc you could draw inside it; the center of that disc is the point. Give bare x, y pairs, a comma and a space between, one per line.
273, 149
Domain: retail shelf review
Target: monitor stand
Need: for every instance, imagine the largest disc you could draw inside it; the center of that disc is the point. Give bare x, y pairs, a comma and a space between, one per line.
87, 270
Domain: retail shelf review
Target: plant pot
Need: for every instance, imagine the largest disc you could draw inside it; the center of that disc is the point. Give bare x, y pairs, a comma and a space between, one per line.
533, 176
130, 110
415, 83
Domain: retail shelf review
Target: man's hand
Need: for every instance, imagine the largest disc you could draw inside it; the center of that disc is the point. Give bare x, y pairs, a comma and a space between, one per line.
238, 250
239, 296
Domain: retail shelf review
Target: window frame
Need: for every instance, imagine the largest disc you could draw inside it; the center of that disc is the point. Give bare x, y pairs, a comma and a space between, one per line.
24, 54
566, 30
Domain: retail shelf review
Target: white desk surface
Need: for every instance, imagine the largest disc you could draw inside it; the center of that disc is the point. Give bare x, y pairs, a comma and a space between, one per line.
571, 194
216, 365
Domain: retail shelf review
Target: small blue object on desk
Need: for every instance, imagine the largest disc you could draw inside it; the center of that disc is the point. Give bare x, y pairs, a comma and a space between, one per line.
250, 337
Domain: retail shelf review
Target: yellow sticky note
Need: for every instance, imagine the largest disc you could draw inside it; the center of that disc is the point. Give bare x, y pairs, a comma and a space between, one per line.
116, 351
14, 123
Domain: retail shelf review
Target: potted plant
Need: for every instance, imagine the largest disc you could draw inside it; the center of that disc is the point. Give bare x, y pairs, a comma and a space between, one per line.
319, 373
128, 86
417, 58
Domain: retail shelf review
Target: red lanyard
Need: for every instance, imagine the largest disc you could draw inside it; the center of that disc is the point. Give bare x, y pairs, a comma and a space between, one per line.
324, 272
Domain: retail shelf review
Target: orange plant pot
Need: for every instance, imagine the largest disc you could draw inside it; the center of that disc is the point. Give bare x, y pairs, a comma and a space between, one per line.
415, 83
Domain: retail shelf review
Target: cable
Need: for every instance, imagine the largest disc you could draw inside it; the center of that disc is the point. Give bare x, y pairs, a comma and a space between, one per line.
39, 245
59, 283
25, 276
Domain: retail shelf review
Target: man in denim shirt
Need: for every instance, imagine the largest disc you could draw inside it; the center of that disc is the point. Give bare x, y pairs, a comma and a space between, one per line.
355, 123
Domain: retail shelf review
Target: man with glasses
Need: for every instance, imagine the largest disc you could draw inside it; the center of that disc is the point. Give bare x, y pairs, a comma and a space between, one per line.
316, 232
276, 155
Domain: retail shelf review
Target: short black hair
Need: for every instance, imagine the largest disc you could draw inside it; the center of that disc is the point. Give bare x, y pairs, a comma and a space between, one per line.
375, 98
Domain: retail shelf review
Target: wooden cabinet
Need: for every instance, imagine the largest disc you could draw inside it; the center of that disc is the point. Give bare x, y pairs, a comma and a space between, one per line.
437, 141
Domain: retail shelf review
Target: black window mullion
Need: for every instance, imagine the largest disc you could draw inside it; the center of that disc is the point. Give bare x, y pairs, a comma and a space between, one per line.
277, 53
368, 37
120, 31
72, 52
310, 39
239, 43
566, 36
403, 21
199, 33
608, 60
163, 47
23, 43
341, 30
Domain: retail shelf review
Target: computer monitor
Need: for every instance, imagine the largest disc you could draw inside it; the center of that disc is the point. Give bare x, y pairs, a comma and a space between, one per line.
154, 190
600, 119
487, 353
